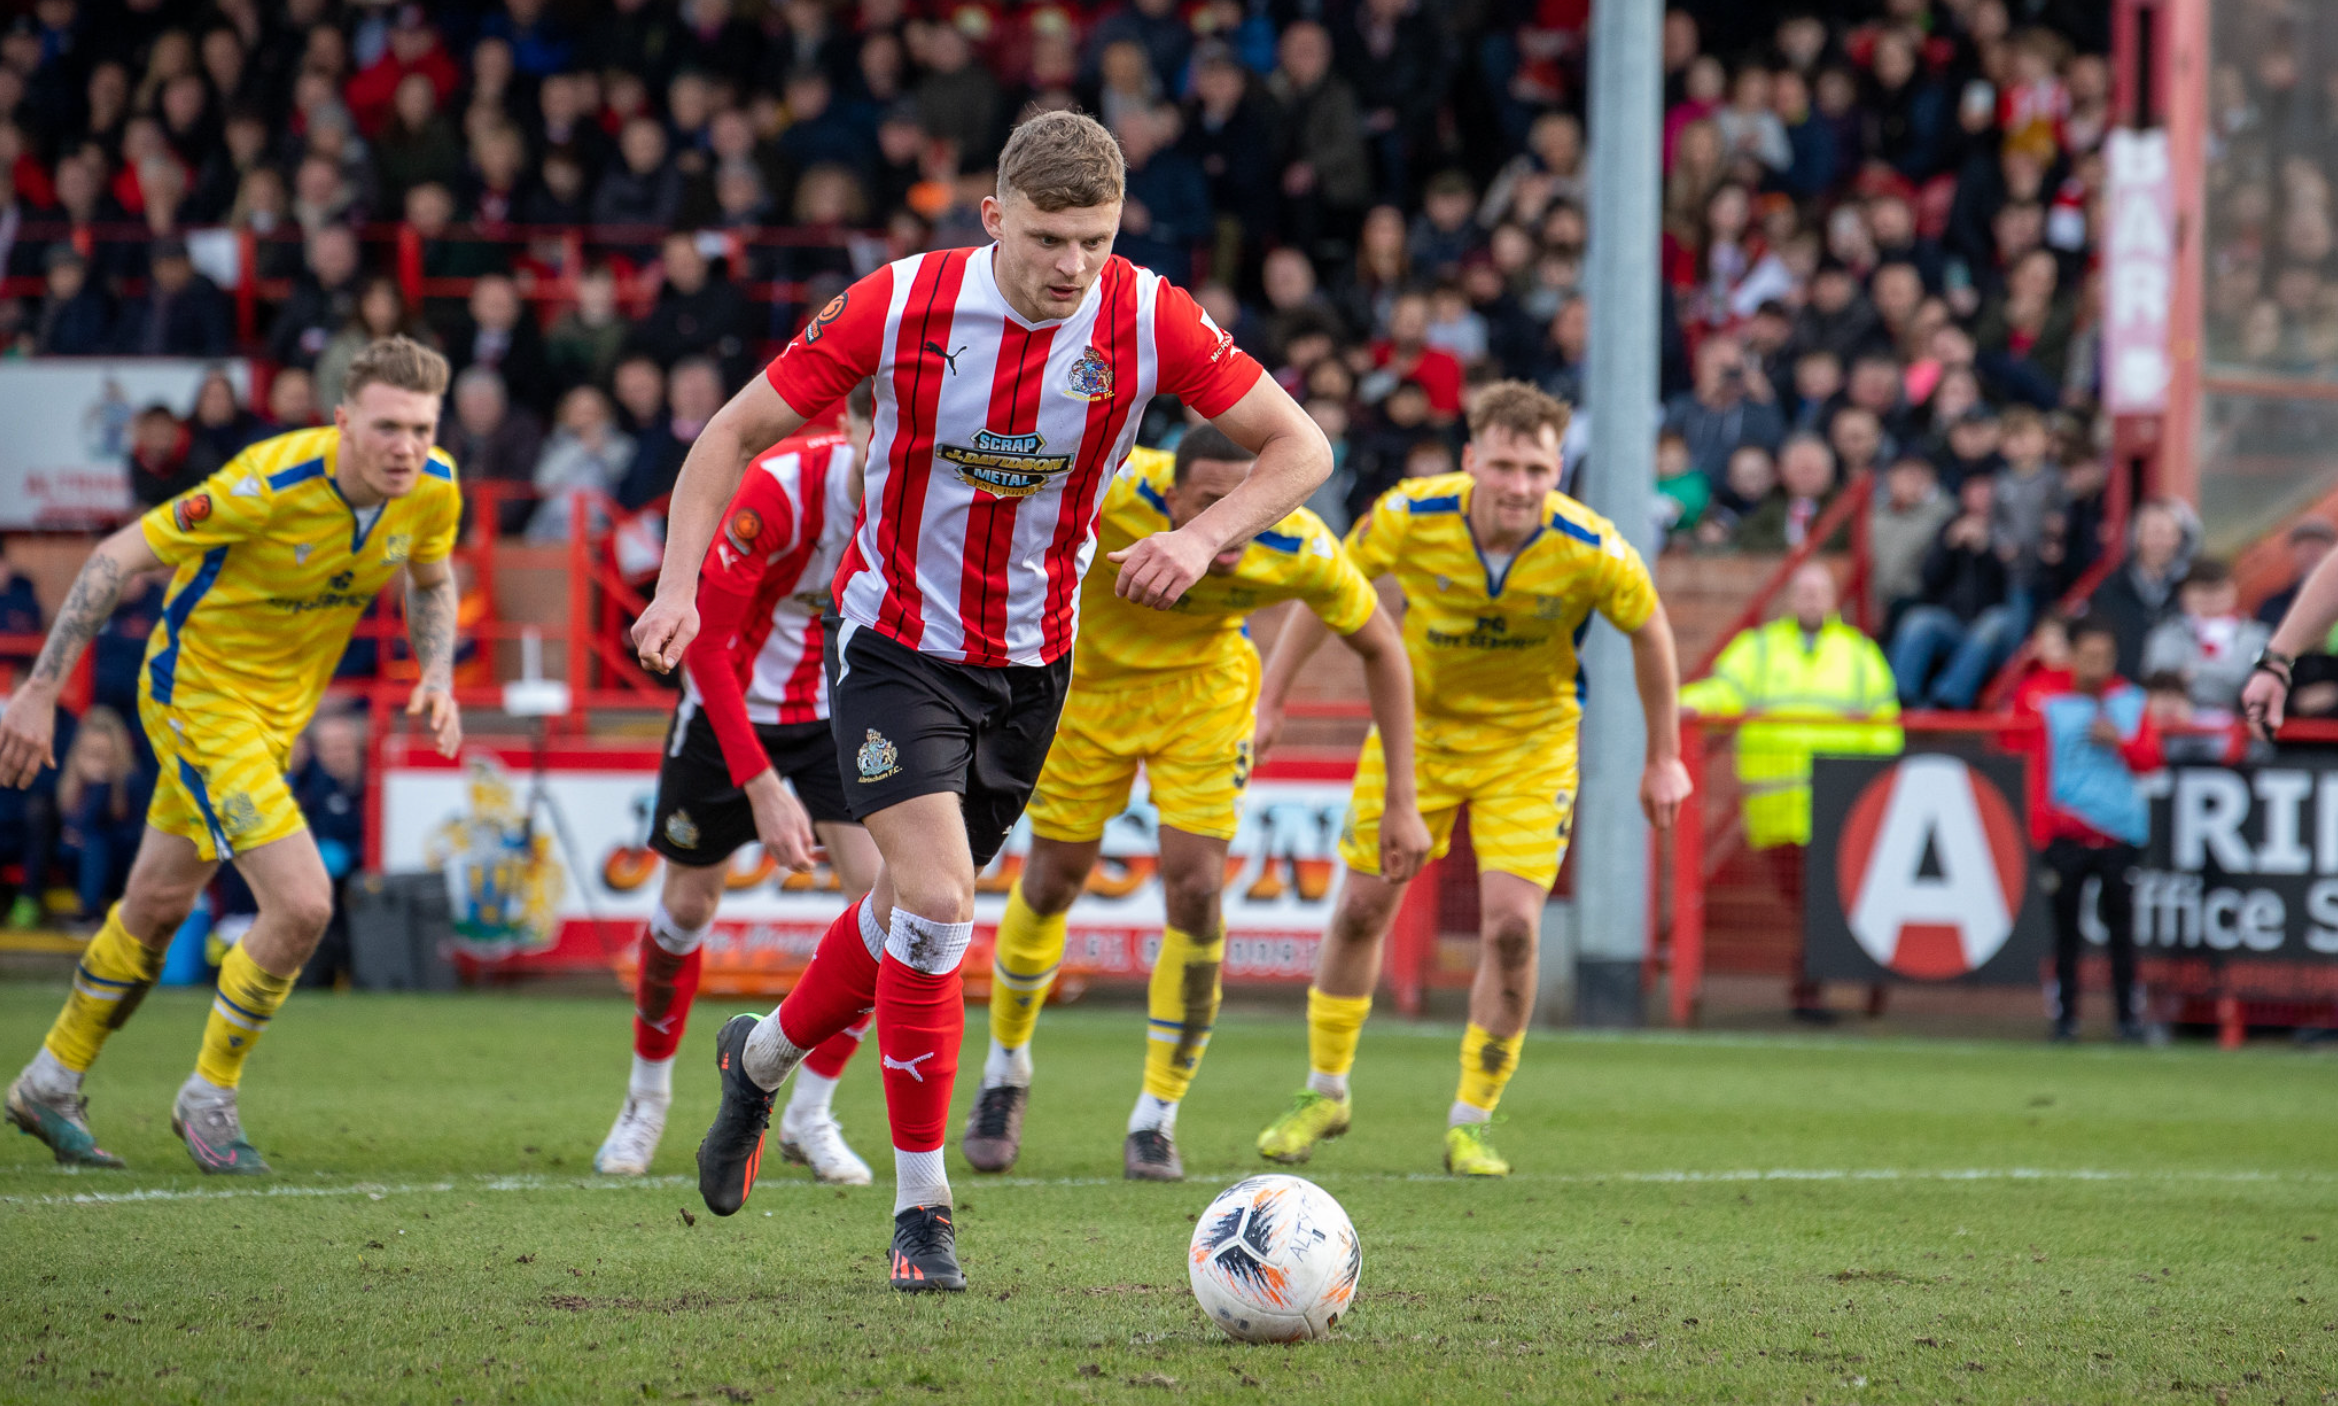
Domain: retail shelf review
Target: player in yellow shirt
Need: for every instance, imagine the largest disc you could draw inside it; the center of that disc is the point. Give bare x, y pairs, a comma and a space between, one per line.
1501, 574
273, 559
1175, 691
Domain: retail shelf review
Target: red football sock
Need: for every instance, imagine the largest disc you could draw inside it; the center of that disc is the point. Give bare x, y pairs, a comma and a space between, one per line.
920, 1020
836, 1051
836, 990
662, 994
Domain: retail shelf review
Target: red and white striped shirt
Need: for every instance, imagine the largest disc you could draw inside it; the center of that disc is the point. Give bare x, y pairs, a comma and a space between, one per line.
757, 657
994, 439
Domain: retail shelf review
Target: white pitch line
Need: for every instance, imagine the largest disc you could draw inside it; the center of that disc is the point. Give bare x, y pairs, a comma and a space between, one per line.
525, 1182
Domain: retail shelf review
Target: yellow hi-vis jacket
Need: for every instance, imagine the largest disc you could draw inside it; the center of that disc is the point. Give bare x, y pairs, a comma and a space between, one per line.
1832, 695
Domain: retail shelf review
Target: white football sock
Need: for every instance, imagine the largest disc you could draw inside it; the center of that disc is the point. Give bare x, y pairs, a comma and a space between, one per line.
672, 936
1328, 1085
919, 1180
1462, 1113
47, 1074
810, 1097
652, 1078
1151, 1112
770, 1056
1005, 1066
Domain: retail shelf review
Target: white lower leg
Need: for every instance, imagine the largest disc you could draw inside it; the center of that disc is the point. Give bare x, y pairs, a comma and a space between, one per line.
770, 1055
47, 1074
1462, 1113
919, 1180
1005, 1066
810, 1096
652, 1078
1329, 1085
1151, 1112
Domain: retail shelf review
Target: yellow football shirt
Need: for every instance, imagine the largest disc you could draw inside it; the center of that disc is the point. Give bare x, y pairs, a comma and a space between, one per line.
1121, 642
272, 568
1493, 645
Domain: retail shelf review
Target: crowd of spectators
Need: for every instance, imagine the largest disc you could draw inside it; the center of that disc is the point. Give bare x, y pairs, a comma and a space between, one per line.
1879, 227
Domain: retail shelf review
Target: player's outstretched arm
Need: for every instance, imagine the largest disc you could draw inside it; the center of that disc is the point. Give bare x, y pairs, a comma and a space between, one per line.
433, 601
1664, 781
2265, 698
1388, 679
753, 420
1293, 460
29, 726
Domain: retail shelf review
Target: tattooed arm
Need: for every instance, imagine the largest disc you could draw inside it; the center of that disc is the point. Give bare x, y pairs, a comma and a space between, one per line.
28, 727
431, 602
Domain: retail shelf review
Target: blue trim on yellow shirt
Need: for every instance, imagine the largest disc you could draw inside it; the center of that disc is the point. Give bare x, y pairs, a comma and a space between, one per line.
1575, 530
1284, 542
1449, 503
298, 473
162, 673
1153, 496
439, 468
359, 528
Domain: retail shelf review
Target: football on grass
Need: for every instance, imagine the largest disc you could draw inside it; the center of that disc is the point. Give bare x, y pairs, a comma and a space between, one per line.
1275, 1260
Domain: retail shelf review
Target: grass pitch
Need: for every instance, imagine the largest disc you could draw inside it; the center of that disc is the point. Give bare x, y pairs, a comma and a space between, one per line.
1707, 1219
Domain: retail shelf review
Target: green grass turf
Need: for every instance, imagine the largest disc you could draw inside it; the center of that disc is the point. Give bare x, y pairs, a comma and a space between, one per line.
1713, 1219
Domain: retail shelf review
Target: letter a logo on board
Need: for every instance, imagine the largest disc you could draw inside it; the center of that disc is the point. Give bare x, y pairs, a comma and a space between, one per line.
1931, 869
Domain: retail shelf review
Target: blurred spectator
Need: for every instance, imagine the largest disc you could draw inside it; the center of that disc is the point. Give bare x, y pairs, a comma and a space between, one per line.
2309, 540
28, 829
2141, 593
1326, 172
2024, 335
292, 400
1230, 135
2208, 642
20, 613
583, 462
417, 143
118, 653
76, 318
1751, 479
158, 457
498, 332
1444, 233
698, 312
2031, 499
380, 311
1405, 355
331, 792
183, 312
1682, 494
1902, 525
694, 391
1806, 486
1380, 449
323, 299
492, 440
1969, 449
1732, 405
1166, 215
644, 189
101, 807
1964, 621
586, 339
2089, 817
1820, 688
221, 427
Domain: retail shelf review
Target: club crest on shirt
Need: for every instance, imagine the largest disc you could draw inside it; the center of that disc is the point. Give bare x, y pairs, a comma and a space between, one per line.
1090, 378
822, 318
878, 758
1549, 607
396, 548
745, 526
681, 830
192, 509
1005, 465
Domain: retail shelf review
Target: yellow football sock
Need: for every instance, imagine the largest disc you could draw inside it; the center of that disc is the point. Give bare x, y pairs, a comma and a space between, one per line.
115, 974
1182, 1001
247, 1000
1334, 1025
1487, 1061
1022, 967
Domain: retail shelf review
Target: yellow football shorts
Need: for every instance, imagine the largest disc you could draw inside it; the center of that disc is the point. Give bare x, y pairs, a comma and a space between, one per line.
1520, 793
222, 775
1191, 731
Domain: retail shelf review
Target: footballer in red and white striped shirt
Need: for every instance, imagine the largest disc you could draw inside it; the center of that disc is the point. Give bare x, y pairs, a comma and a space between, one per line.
1009, 384
752, 724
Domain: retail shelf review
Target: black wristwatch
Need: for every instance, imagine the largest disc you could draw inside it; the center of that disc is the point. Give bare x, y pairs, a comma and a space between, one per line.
2274, 662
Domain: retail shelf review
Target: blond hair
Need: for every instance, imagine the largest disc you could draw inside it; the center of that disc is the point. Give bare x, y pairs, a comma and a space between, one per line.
1519, 408
1062, 161
398, 362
